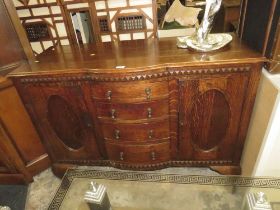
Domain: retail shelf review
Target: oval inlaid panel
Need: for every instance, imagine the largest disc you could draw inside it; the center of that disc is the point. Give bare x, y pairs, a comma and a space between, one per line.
65, 122
209, 119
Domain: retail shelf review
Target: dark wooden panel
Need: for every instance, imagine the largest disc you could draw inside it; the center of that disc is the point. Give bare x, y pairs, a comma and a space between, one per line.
11, 159
209, 119
18, 124
210, 112
274, 33
81, 136
65, 122
11, 49
26, 151
255, 25
261, 32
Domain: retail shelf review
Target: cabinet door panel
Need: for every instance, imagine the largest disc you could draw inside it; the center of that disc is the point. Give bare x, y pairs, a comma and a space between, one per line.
210, 111
64, 122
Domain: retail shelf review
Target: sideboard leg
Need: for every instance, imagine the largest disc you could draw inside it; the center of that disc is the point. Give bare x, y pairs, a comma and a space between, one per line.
226, 170
60, 169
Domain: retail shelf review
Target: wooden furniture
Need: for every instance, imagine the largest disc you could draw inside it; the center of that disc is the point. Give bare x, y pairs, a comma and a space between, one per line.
11, 53
231, 9
260, 28
142, 104
12, 168
22, 154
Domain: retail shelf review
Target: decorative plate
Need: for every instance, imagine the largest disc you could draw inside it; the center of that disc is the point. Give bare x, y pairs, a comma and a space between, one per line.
214, 42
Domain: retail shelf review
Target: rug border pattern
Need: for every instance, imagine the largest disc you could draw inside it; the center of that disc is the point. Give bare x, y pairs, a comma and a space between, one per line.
236, 181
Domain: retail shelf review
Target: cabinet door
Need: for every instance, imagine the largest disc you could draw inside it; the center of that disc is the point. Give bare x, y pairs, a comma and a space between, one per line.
209, 116
12, 168
64, 122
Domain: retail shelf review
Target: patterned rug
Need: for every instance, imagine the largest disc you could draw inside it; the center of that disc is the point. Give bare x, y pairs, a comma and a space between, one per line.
13, 196
42, 190
161, 191
200, 188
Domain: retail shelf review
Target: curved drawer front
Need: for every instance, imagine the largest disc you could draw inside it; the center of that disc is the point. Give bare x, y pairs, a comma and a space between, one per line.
152, 153
130, 91
136, 132
133, 111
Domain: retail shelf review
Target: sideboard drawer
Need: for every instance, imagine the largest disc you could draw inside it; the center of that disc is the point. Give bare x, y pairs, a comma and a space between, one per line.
141, 90
152, 153
133, 111
136, 132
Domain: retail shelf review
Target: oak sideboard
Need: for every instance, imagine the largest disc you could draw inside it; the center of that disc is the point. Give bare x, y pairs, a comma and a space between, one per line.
142, 105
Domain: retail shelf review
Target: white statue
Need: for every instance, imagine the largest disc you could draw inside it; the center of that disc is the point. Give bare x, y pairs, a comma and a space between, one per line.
212, 7
202, 40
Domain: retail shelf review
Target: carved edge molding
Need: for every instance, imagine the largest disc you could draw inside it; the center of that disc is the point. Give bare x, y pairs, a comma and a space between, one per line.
8, 68
170, 163
136, 77
236, 181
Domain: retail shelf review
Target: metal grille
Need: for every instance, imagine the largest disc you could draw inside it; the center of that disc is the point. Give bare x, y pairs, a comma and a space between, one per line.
131, 23
37, 31
103, 24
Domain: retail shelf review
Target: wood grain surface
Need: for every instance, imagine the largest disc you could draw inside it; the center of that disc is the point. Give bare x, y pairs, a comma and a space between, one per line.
162, 106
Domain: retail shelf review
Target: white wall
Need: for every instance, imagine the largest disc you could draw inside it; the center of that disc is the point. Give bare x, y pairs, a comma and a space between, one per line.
267, 163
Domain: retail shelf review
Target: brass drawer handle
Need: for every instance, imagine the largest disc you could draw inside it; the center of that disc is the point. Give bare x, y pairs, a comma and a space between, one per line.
121, 156
151, 134
109, 94
113, 113
148, 93
153, 155
117, 134
149, 110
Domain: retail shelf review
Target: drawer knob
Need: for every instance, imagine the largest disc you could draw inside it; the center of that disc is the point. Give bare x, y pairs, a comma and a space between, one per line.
148, 93
89, 125
151, 134
149, 110
153, 155
109, 94
121, 156
113, 113
117, 134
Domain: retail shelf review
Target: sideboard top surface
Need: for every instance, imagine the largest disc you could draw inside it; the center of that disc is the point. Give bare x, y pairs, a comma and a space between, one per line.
134, 56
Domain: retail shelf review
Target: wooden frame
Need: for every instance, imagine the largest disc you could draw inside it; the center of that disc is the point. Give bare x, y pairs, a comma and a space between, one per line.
52, 19
70, 24
118, 11
21, 161
16, 170
63, 17
270, 37
19, 30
